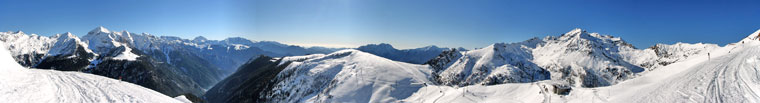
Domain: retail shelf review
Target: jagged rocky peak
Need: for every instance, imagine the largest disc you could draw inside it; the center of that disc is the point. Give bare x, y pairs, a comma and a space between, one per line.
99, 29
580, 35
66, 35
575, 33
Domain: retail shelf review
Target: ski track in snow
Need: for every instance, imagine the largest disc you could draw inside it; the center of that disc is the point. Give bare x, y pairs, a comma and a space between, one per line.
723, 79
48, 86
23, 85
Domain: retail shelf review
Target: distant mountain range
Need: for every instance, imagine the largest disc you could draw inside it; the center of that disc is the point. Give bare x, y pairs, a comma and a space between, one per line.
553, 68
170, 65
376, 73
153, 61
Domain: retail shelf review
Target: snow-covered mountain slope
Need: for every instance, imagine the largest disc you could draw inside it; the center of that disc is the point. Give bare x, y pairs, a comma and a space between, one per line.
27, 49
728, 74
535, 70
349, 76
48, 52
22, 85
249, 84
502, 93
576, 58
64, 43
415, 56
586, 59
205, 61
667, 54
68, 54
342, 76
147, 72
495, 64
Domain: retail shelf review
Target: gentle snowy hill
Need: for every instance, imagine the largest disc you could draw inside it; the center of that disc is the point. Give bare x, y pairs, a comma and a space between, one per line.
349, 76
22, 85
415, 56
342, 76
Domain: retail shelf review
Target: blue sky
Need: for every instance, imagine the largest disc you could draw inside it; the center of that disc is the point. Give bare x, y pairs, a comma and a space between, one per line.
402, 23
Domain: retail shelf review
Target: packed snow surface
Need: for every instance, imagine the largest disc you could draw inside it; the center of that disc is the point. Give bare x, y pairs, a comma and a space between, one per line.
18, 84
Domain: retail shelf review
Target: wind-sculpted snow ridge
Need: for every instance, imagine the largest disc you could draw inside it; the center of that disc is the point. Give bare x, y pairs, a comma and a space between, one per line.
729, 74
348, 76
21, 85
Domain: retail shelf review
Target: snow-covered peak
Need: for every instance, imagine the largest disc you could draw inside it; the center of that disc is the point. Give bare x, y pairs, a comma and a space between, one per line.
589, 54
581, 37
19, 32
101, 40
199, 39
336, 77
66, 43
68, 34
99, 29
576, 33
19, 43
